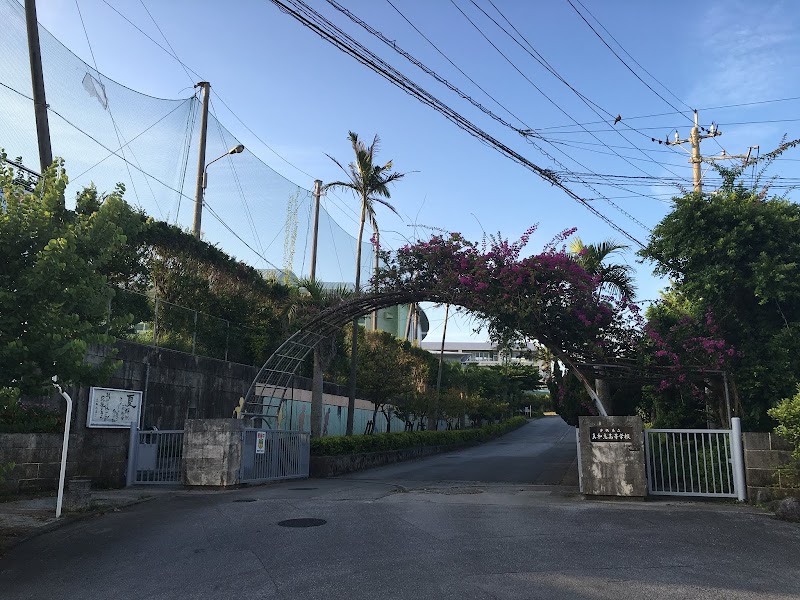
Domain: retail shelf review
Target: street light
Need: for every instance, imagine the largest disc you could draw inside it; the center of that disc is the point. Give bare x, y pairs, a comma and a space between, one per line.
198, 209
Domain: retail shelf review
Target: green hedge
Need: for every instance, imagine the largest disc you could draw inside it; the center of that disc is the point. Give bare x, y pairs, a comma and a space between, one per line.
380, 442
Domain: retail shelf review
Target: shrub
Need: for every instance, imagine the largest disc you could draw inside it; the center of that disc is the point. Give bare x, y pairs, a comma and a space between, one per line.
787, 414
16, 417
381, 442
6, 468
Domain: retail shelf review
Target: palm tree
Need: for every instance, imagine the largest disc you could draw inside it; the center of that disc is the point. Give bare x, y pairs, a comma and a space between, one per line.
617, 278
369, 182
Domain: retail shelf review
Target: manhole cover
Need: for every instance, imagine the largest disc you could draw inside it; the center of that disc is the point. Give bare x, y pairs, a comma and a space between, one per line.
302, 522
301, 489
245, 500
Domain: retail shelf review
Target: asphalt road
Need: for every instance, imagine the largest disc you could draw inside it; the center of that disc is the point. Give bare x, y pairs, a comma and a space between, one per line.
433, 539
543, 452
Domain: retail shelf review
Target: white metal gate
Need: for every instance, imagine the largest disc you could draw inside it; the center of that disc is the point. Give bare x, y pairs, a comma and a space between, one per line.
695, 462
155, 457
273, 454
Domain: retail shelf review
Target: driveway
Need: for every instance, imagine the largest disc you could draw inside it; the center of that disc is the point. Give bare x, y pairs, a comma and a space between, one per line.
381, 538
542, 452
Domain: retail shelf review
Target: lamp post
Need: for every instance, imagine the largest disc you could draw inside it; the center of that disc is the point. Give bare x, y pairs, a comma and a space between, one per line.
198, 208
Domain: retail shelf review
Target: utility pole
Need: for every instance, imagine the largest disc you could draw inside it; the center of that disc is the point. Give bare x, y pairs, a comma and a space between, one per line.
317, 194
694, 139
375, 285
435, 423
37, 80
317, 381
201, 161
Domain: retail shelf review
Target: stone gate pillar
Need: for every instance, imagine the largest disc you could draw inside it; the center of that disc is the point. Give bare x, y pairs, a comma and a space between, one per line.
612, 456
212, 451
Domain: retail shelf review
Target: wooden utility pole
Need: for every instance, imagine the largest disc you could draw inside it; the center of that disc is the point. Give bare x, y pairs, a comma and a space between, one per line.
37, 81
694, 139
201, 161
317, 381
317, 194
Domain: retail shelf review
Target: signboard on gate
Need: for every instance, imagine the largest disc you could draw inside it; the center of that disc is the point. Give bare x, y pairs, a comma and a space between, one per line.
261, 442
113, 408
611, 434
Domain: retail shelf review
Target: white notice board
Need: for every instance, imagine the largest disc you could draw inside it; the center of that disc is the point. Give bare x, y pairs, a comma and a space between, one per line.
110, 407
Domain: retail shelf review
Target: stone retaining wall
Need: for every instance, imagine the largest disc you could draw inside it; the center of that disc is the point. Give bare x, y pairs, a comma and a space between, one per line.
763, 453
100, 456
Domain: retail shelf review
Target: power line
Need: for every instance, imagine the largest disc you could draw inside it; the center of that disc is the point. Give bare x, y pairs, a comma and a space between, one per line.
329, 32
422, 66
614, 52
543, 62
435, 47
667, 114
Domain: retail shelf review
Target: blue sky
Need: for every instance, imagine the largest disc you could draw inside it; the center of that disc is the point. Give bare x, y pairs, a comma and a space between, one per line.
302, 96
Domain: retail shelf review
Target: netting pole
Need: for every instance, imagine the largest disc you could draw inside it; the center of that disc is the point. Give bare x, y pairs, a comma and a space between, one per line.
317, 193
155, 325
194, 334
201, 161
37, 80
227, 337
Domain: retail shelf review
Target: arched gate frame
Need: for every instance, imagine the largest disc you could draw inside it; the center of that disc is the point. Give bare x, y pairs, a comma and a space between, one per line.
274, 381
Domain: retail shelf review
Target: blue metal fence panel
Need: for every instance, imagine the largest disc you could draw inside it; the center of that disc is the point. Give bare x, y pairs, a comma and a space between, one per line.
274, 454
158, 457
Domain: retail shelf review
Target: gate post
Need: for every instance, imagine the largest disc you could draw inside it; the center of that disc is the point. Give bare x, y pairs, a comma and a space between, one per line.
738, 459
612, 456
580, 466
133, 447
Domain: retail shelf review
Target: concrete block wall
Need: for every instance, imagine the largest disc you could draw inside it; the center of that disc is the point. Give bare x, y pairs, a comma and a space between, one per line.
101, 457
763, 454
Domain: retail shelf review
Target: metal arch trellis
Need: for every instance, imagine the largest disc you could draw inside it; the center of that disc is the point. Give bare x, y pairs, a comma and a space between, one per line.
274, 380
269, 389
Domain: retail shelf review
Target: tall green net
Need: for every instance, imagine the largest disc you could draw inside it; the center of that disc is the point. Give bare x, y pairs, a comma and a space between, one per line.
108, 134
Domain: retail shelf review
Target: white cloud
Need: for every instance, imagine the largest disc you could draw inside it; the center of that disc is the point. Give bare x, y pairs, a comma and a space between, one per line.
747, 52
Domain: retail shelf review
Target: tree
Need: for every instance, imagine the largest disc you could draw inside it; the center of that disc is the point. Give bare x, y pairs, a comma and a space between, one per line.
54, 296
617, 278
392, 374
312, 294
369, 182
737, 254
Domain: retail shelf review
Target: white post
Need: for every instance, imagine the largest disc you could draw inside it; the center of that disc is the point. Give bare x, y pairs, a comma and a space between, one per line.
64, 448
580, 469
133, 447
738, 459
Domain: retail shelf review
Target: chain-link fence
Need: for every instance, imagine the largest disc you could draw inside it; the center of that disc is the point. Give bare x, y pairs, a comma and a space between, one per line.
148, 319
